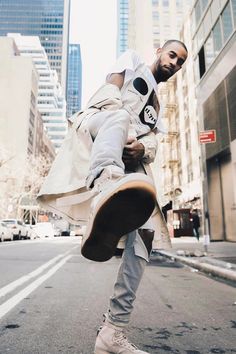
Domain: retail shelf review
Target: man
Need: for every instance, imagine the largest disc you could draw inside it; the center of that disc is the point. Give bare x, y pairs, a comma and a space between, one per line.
121, 120
196, 223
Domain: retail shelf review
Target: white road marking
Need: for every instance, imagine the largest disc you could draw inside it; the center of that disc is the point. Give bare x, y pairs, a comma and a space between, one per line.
61, 239
13, 301
10, 287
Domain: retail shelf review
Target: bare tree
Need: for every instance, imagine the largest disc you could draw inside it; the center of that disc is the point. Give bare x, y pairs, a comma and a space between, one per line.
20, 183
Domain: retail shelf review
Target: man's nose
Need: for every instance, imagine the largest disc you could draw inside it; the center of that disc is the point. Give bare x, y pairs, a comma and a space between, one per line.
174, 62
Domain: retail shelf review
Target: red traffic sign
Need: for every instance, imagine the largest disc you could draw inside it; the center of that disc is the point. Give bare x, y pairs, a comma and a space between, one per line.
207, 136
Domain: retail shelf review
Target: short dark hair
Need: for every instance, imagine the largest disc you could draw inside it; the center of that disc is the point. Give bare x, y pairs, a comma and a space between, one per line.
176, 41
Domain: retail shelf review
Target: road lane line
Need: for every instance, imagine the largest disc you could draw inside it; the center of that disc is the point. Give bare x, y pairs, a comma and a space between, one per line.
13, 285
13, 301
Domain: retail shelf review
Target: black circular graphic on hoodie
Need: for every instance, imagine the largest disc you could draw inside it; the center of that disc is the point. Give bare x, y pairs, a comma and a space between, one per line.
140, 85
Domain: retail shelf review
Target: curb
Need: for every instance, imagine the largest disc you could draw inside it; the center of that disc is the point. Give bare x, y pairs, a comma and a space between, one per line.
204, 267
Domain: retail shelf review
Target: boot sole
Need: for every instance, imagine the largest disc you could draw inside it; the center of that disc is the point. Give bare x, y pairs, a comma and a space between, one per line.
128, 208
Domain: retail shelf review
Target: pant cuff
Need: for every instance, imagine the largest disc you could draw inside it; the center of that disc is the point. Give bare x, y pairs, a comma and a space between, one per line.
117, 322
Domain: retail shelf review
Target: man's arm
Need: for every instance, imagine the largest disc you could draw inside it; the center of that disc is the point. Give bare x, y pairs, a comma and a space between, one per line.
117, 79
149, 142
143, 149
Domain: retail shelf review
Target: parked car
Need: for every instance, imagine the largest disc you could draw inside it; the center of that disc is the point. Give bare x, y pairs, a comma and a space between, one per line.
5, 232
31, 232
17, 228
57, 231
77, 230
44, 229
62, 226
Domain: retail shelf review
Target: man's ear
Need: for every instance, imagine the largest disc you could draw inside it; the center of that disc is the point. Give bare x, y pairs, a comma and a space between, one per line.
158, 51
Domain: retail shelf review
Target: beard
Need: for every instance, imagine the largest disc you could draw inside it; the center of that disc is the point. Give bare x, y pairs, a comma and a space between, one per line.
162, 74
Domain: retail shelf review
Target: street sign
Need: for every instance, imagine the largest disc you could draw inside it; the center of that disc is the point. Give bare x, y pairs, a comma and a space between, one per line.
207, 136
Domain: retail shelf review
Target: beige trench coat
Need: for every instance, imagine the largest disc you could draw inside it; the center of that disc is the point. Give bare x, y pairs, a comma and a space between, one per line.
63, 191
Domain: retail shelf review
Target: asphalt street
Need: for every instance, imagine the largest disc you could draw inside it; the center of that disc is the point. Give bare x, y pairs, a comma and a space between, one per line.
52, 300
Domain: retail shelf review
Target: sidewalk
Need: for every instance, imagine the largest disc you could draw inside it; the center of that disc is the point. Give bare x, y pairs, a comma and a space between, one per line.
218, 259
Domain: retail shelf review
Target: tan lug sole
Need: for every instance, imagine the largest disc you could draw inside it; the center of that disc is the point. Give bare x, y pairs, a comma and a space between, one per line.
119, 212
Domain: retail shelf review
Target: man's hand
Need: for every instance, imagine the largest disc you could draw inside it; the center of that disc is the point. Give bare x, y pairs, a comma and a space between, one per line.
133, 152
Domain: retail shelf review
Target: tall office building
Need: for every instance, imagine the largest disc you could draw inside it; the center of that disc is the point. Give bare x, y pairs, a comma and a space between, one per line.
152, 22
123, 20
49, 20
140, 31
167, 19
50, 99
74, 80
214, 45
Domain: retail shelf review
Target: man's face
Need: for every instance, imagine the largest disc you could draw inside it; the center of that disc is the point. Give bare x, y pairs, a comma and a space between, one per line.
169, 60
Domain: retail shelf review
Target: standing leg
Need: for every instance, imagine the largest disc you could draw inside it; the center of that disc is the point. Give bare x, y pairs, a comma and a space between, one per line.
111, 338
197, 233
129, 276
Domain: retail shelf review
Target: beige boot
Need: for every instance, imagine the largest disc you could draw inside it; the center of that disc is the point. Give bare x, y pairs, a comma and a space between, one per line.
111, 340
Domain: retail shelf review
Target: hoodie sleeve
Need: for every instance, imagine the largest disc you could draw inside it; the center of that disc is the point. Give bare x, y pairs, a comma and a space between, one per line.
149, 142
128, 62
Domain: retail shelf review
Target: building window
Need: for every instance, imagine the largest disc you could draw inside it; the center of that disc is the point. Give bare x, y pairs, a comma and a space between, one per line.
215, 6
209, 51
190, 172
197, 10
202, 65
187, 140
193, 23
217, 37
234, 11
227, 22
204, 5
199, 36
32, 99
207, 22
155, 15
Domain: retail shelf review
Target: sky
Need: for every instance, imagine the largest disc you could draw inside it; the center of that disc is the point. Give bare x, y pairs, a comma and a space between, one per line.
94, 26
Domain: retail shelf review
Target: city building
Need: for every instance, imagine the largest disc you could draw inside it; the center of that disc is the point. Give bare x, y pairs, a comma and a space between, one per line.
191, 169
140, 29
18, 95
49, 20
214, 47
167, 19
50, 99
153, 22
22, 136
122, 22
74, 80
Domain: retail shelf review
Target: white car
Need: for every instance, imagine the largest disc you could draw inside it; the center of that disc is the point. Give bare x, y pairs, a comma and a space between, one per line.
17, 228
78, 230
31, 232
44, 229
5, 232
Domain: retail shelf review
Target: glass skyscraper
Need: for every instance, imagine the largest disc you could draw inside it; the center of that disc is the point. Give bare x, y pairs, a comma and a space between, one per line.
47, 19
123, 19
74, 80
